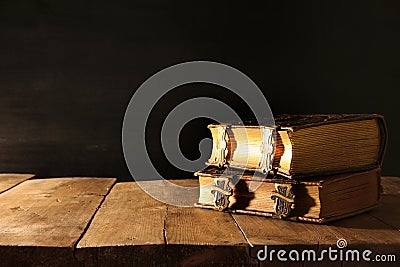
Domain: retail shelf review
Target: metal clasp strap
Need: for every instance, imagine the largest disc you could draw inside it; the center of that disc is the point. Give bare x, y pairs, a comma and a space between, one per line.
222, 190
284, 200
267, 149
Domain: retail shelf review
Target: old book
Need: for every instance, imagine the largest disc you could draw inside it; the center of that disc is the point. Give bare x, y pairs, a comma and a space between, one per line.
305, 145
318, 199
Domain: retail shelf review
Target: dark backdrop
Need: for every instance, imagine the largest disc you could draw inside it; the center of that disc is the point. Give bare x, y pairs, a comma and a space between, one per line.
69, 68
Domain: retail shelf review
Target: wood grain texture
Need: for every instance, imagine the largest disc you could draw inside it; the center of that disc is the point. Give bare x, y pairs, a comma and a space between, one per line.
204, 237
133, 228
128, 229
391, 186
42, 220
375, 230
389, 211
8, 180
366, 232
361, 232
278, 234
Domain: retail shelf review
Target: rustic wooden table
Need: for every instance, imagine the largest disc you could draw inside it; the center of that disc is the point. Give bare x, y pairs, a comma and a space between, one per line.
98, 222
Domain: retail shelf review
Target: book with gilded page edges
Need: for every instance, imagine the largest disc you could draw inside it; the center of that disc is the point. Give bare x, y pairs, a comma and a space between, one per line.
316, 199
300, 146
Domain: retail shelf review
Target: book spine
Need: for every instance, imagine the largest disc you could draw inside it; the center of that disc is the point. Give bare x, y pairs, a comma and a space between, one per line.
254, 151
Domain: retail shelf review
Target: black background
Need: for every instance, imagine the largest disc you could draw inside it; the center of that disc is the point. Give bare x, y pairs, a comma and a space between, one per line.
69, 68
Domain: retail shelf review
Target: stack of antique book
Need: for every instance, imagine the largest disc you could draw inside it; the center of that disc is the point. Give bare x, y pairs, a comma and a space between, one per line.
313, 168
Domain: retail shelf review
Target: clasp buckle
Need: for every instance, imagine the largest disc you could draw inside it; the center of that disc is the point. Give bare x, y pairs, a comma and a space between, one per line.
220, 149
284, 199
267, 149
222, 190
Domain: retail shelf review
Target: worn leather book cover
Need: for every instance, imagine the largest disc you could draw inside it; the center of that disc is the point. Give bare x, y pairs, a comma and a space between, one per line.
317, 199
301, 146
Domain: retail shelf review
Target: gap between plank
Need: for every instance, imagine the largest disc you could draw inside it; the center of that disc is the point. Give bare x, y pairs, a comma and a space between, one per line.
245, 237
382, 221
90, 221
14, 186
241, 230
165, 233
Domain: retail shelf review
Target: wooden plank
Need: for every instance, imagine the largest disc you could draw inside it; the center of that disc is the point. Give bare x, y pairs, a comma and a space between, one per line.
45, 218
279, 234
8, 180
203, 237
139, 230
128, 229
366, 232
391, 185
199, 237
41, 220
186, 196
388, 210
361, 231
